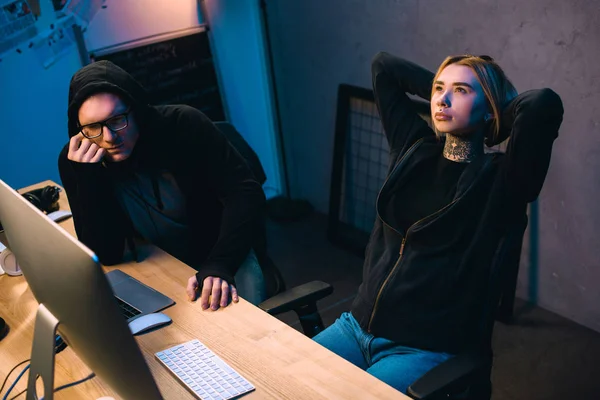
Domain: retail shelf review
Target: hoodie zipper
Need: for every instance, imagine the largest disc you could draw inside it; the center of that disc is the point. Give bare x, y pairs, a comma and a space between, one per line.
401, 251
400, 254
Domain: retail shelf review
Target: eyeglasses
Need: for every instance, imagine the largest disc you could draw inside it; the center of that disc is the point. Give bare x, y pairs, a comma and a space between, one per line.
114, 123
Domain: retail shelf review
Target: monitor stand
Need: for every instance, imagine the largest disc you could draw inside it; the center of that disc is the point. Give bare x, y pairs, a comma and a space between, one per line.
42, 354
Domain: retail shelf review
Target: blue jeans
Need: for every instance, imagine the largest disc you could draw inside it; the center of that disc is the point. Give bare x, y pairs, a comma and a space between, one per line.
250, 281
396, 365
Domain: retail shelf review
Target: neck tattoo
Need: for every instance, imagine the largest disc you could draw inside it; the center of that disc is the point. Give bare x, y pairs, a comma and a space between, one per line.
461, 149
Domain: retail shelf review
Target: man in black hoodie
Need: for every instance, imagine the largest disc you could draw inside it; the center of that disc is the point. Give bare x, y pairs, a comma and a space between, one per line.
165, 175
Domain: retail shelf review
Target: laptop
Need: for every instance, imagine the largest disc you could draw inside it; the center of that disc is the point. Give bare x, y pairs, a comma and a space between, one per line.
135, 298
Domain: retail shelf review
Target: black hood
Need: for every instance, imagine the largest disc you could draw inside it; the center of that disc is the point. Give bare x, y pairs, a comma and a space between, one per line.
104, 76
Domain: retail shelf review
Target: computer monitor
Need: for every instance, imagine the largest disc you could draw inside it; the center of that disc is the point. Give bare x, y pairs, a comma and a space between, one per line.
75, 297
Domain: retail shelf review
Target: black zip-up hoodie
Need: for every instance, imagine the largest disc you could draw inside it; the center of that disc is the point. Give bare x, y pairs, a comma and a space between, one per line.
224, 202
426, 287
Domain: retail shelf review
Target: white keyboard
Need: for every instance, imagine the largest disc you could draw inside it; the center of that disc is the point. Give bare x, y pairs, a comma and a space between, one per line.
203, 372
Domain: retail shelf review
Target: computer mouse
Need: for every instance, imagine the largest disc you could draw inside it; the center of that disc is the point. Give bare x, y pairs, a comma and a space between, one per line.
149, 321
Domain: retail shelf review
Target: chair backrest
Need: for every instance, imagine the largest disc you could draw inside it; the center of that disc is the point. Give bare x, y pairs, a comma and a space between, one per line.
273, 279
506, 259
240, 144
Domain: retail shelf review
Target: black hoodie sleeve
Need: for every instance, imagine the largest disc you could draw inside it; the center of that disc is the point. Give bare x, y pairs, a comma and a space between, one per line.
207, 153
96, 216
532, 120
393, 77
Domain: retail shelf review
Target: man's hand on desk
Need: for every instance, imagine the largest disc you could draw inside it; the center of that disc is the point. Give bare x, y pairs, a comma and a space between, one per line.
214, 289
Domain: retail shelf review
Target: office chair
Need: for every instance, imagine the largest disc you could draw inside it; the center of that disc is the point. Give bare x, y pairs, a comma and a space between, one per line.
301, 299
506, 307
467, 375
463, 377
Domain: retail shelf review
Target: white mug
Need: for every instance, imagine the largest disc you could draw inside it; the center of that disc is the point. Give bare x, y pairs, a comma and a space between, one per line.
8, 262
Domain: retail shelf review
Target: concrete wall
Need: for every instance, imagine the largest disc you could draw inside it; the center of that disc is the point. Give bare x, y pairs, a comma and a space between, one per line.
33, 111
320, 44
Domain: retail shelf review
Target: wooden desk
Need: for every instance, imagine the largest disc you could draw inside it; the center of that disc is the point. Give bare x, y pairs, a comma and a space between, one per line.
279, 361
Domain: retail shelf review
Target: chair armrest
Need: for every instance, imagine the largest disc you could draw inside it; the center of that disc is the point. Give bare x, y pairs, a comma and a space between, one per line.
450, 376
296, 297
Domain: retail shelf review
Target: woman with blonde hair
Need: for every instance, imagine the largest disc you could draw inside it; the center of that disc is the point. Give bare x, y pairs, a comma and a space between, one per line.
442, 210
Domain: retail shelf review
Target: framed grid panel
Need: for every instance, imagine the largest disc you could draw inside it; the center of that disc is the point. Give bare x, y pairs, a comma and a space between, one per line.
360, 165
